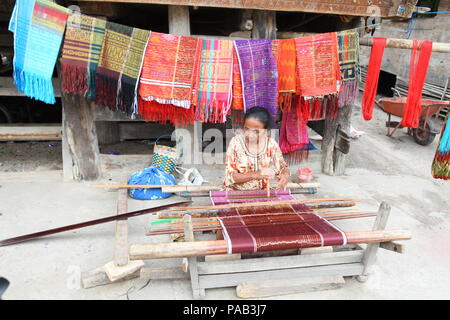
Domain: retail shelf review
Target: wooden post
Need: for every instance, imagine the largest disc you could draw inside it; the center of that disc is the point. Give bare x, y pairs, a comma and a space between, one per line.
370, 253
192, 261
179, 24
121, 248
336, 142
264, 24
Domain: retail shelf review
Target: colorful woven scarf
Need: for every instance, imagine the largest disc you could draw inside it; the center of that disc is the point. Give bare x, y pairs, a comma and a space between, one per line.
171, 69
420, 58
81, 54
285, 54
348, 47
215, 84
238, 100
119, 67
165, 113
38, 28
293, 133
258, 73
318, 71
441, 163
373, 73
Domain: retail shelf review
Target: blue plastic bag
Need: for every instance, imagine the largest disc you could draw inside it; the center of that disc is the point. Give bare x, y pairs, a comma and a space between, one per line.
150, 176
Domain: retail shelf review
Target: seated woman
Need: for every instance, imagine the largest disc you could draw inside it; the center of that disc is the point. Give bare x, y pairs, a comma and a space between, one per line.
253, 157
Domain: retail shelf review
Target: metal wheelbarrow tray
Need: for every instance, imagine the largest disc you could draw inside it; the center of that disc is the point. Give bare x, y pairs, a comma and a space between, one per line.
426, 132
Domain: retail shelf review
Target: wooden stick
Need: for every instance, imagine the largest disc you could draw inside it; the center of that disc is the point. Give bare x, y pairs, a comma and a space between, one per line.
215, 225
406, 44
211, 247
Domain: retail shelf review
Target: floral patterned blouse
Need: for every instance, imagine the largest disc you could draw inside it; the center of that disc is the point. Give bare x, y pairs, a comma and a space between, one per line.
240, 160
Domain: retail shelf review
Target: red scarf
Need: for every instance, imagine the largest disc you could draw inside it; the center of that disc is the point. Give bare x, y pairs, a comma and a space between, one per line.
373, 73
420, 57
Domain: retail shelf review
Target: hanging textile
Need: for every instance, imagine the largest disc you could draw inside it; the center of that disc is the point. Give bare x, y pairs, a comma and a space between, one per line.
171, 69
215, 84
81, 54
119, 67
286, 58
266, 228
38, 28
165, 113
294, 133
237, 101
420, 58
348, 47
318, 71
441, 163
258, 73
373, 73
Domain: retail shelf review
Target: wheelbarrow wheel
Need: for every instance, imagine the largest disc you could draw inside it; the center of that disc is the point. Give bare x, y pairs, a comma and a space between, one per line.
424, 136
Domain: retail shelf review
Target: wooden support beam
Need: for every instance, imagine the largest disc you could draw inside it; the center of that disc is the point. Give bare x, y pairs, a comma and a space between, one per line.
269, 288
210, 247
121, 245
98, 277
343, 7
197, 292
264, 24
20, 132
405, 44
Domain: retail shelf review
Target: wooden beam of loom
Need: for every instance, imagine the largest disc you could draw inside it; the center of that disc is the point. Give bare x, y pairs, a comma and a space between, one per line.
188, 188
212, 247
213, 224
388, 8
406, 44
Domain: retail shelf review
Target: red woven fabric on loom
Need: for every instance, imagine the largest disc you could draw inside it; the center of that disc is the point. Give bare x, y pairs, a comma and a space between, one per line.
266, 228
420, 58
236, 196
373, 73
318, 71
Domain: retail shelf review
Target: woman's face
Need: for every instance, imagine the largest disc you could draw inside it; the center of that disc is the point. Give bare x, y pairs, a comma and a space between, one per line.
254, 128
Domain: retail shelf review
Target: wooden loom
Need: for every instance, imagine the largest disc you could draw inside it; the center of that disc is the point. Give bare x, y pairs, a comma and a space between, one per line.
207, 265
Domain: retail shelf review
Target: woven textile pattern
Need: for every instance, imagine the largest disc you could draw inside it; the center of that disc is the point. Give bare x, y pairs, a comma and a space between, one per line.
348, 48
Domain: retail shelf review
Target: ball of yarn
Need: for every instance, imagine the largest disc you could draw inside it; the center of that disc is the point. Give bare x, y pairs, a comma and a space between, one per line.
304, 174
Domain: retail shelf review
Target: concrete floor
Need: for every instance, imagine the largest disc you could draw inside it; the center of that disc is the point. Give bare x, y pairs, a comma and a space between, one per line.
379, 168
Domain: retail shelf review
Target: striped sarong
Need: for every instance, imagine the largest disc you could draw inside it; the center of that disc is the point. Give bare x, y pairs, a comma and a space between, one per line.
348, 48
81, 54
38, 27
258, 73
216, 75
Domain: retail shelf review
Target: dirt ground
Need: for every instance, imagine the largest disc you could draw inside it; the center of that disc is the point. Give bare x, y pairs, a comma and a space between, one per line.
33, 197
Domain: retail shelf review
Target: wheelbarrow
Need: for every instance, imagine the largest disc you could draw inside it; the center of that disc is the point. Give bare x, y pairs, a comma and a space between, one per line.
425, 133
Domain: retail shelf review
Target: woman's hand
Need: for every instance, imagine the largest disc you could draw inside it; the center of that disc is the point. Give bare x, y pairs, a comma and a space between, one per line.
283, 181
264, 173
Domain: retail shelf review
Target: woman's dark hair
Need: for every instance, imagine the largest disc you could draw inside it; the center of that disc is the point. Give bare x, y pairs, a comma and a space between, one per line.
261, 114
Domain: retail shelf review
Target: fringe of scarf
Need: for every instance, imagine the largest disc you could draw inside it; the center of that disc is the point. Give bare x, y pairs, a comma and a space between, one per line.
296, 157
318, 108
126, 97
90, 80
417, 73
106, 91
348, 93
166, 113
74, 79
373, 73
34, 86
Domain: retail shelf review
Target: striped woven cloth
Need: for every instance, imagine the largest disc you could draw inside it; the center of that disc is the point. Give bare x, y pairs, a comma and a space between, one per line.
38, 27
318, 71
348, 48
170, 70
216, 75
258, 73
119, 67
285, 55
81, 54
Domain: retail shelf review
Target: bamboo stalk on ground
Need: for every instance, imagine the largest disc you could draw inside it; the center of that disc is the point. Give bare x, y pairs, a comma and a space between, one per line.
212, 247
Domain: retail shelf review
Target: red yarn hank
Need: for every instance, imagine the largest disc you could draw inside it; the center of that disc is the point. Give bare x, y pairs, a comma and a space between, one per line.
420, 58
373, 73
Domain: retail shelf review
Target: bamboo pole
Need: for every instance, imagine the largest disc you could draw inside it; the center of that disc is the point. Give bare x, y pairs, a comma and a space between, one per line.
212, 247
406, 44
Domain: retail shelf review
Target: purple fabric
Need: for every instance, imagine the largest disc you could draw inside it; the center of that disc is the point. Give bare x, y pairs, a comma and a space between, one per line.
259, 73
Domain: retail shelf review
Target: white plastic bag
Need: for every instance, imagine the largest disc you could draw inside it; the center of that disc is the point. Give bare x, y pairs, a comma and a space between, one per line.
190, 176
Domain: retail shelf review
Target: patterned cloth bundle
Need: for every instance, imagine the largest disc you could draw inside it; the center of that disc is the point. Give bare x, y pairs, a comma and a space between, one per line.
81, 54
38, 27
215, 84
119, 67
258, 73
441, 163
